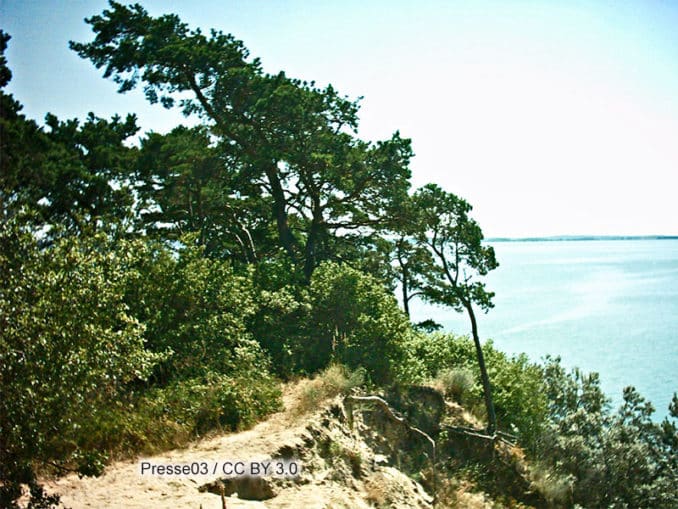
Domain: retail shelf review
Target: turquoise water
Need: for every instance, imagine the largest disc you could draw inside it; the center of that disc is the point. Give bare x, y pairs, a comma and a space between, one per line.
609, 306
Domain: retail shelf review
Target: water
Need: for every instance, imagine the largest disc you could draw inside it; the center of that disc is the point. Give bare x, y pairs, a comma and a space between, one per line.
609, 306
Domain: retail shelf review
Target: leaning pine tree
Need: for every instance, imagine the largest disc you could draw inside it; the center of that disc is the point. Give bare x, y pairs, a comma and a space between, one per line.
454, 241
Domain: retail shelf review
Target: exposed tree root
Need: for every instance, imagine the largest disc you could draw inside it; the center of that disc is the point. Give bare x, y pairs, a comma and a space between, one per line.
348, 404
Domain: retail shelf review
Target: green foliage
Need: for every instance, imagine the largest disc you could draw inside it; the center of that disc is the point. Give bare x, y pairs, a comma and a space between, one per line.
441, 257
441, 351
519, 396
215, 401
518, 387
88, 319
67, 341
85, 176
72, 175
282, 312
167, 417
586, 454
195, 308
355, 321
5, 73
189, 184
276, 137
620, 459
459, 259
457, 383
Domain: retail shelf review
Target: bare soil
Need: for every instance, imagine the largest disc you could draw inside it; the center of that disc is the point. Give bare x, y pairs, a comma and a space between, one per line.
123, 486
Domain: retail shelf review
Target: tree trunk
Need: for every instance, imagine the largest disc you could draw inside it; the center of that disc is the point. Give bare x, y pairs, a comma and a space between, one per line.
487, 390
405, 275
310, 253
316, 235
287, 239
406, 296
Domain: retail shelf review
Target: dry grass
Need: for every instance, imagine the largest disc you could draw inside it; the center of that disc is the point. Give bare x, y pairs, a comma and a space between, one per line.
556, 489
456, 383
462, 494
333, 381
376, 493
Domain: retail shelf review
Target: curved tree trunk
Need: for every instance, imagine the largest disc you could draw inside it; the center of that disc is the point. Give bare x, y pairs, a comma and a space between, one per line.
487, 389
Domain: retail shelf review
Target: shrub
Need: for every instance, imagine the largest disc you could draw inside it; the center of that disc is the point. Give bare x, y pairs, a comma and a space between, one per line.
195, 309
457, 383
332, 381
282, 311
215, 401
620, 459
168, 417
440, 351
517, 384
519, 395
68, 345
355, 321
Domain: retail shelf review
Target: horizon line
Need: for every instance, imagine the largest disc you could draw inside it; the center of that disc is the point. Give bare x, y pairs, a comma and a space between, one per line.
555, 238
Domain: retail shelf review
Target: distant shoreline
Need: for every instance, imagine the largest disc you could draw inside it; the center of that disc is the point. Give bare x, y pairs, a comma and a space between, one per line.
560, 238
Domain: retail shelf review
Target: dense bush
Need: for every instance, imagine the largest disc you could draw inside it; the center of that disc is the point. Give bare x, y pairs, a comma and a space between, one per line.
582, 452
282, 312
517, 384
612, 459
167, 417
86, 321
68, 344
355, 321
519, 395
344, 315
215, 401
195, 310
439, 351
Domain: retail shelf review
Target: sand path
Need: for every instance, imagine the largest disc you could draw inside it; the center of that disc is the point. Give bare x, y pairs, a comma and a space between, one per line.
123, 486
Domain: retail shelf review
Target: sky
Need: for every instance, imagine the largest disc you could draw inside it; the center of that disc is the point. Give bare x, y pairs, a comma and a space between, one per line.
550, 117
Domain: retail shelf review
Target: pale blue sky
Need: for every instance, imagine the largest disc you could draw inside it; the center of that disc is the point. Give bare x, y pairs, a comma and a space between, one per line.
549, 117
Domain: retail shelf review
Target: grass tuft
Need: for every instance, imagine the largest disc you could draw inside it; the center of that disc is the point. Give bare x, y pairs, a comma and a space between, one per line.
456, 383
336, 379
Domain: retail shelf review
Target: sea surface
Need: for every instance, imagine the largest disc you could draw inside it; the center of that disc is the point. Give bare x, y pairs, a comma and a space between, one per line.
609, 306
